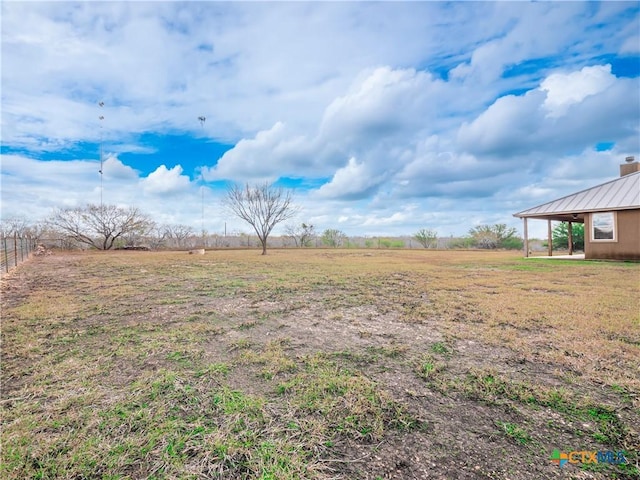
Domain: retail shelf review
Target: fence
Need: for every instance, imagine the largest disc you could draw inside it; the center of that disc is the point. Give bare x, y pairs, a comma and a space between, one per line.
14, 250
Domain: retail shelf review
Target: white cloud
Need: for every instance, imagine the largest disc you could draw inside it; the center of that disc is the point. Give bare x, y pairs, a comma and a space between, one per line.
382, 111
240, 65
520, 124
504, 125
270, 154
384, 102
32, 189
512, 34
351, 181
564, 90
395, 219
114, 169
165, 181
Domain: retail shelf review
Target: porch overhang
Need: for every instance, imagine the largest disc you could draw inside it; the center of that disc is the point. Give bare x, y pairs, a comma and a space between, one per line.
569, 217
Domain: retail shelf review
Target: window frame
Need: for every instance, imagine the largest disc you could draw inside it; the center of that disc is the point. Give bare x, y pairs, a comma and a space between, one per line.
614, 220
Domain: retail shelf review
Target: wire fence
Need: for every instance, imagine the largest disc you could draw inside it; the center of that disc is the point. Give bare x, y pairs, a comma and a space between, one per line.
15, 250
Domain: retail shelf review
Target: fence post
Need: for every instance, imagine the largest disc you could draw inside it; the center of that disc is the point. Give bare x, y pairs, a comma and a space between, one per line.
15, 248
6, 253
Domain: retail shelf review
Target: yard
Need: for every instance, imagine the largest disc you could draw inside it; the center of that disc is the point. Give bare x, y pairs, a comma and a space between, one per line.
318, 364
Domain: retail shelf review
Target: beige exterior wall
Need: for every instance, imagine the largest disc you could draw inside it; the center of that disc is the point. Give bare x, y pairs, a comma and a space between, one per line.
627, 243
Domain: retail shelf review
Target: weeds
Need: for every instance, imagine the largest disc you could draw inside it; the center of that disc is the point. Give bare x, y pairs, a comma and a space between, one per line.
515, 433
428, 368
273, 359
391, 351
351, 403
249, 324
214, 369
241, 344
492, 388
440, 348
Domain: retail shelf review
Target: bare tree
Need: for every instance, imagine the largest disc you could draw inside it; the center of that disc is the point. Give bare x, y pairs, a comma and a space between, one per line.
100, 226
157, 236
261, 206
36, 230
179, 233
301, 234
14, 226
139, 236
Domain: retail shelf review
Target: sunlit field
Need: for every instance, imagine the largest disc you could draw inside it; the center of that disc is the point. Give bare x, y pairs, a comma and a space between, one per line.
318, 364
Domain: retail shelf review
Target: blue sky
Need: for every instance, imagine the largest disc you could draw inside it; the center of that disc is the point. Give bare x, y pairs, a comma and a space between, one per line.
384, 117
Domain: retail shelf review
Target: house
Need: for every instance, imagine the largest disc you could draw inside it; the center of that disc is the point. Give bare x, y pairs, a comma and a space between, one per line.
610, 213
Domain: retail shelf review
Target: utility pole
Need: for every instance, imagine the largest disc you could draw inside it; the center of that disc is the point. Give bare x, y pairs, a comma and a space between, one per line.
202, 119
101, 118
202, 219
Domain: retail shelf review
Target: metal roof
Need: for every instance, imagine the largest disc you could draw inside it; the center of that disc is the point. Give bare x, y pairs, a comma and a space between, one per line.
620, 194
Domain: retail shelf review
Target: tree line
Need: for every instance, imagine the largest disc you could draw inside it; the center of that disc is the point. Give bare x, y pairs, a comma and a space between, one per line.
262, 207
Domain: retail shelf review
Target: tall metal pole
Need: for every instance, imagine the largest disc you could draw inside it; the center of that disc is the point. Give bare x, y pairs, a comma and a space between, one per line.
202, 119
202, 219
101, 118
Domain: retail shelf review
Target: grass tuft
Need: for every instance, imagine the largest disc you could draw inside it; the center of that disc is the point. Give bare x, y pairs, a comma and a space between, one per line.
352, 404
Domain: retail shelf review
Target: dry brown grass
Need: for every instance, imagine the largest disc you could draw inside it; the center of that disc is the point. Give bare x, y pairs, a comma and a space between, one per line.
316, 364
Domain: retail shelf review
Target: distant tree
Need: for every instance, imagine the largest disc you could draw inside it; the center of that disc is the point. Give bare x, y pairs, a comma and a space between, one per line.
512, 243
157, 236
261, 206
494, 236
461, 242
426, 237
333, 238
483, 236
100, 226
14, 226
217, 240
178, 233
244, 239
35, 230
560, 235
391, 243
137, 236
301, 234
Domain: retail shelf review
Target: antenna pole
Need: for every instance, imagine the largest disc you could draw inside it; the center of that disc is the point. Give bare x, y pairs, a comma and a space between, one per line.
101, 118
202, 220
202, 119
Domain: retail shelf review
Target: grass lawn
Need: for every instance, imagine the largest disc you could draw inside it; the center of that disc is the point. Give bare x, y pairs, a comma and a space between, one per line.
318, 364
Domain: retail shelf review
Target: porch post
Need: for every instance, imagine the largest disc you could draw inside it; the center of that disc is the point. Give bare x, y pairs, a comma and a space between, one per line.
570, 238
549, 238
526, 239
